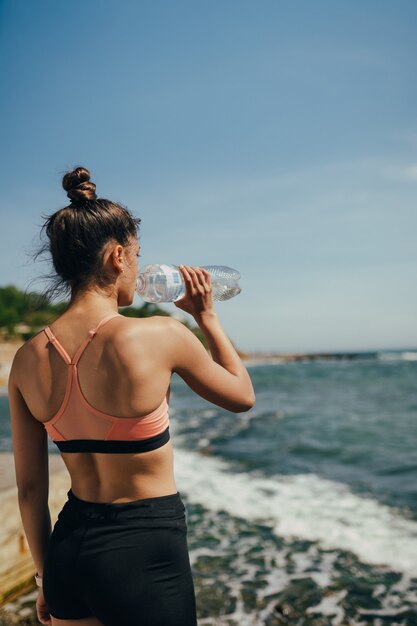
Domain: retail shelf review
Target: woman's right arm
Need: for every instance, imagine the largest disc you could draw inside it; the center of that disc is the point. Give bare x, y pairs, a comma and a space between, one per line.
221, 378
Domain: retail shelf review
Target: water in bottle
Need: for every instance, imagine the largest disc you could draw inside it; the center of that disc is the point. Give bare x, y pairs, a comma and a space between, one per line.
160, 282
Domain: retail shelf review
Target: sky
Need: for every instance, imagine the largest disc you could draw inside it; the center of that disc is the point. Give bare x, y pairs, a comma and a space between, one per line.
278, 138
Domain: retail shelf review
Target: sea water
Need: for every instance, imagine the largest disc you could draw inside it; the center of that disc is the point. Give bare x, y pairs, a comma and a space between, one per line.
302, 510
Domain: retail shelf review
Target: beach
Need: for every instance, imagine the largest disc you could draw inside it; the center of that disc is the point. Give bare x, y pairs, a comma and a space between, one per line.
16, 565
300, 511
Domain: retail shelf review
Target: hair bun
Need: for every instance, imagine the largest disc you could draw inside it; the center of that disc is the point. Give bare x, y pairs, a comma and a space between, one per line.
78, 186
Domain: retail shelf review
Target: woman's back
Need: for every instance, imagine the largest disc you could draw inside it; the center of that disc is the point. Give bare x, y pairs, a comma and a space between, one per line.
125, 373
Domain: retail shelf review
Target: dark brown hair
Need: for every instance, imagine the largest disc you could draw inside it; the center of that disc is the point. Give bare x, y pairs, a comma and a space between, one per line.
77, 233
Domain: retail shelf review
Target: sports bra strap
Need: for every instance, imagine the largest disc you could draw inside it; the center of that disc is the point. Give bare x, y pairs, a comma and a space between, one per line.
91, 334
82, 347
103, 321
57, 345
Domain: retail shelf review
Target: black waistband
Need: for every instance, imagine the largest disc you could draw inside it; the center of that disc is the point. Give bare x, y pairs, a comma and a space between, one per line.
166, 507
112, 446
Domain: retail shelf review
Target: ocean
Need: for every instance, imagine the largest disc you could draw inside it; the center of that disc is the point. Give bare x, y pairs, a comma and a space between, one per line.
303, 510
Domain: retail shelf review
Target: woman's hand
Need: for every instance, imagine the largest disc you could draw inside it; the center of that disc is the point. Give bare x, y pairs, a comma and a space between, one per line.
42, 609
198, 297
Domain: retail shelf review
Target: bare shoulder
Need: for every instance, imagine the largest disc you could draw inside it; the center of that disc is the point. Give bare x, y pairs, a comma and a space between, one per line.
142, 345
140, 326
158, 337
25, 356
136, 333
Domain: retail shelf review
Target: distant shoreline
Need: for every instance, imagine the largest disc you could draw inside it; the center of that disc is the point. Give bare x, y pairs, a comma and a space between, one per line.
306, 356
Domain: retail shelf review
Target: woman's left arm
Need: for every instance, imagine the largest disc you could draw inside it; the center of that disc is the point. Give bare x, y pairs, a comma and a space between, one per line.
30, 449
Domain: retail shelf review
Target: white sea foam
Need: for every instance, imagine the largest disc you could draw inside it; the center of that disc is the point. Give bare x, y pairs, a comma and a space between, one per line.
304, 506
330, 606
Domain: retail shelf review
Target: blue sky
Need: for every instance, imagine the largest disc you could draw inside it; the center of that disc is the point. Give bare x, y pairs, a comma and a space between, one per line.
276, 137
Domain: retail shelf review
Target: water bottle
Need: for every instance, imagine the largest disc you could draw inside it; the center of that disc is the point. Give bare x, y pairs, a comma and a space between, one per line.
159, 282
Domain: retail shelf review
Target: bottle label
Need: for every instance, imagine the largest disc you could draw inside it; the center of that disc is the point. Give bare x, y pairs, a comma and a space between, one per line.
173, 279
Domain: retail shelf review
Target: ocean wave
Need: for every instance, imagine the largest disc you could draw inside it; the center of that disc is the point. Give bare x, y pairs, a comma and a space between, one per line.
304, 506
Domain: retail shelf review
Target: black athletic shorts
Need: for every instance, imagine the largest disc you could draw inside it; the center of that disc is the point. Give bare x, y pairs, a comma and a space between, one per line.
125, 563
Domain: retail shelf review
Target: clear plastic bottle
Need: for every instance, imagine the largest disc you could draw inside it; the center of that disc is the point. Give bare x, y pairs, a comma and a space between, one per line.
159, 282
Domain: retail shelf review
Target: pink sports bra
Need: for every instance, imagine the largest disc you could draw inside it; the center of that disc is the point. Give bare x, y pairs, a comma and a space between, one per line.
79, 427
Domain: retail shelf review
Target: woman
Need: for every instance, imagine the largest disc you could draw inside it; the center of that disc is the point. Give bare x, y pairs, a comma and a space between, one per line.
98, 383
